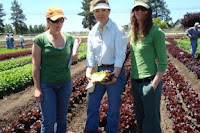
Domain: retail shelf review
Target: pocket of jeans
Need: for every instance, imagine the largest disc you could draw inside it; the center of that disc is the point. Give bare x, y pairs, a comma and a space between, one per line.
147, 89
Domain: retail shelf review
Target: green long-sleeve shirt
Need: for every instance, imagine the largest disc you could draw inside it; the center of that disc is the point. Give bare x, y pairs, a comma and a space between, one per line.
149, 55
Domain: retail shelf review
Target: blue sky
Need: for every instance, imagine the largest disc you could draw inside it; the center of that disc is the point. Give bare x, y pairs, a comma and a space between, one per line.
34, 10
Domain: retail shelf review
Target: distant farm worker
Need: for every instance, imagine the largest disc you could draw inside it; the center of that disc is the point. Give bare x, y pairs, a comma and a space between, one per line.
106, 47
11, 41
51, 54
21, 40
7, 38
148, 64
193, 33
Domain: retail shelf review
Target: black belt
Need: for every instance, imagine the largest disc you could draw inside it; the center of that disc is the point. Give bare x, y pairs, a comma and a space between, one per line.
147, 79
106, 65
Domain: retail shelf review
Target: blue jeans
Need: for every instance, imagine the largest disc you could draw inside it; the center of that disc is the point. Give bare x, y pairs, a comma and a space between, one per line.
147, 106
7, 45
194, 47
22, 44
114, 92
54, 106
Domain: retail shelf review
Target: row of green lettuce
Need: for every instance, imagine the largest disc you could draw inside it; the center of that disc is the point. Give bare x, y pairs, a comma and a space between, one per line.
15, 78
6, 51
13, 63
184, 44
17, 73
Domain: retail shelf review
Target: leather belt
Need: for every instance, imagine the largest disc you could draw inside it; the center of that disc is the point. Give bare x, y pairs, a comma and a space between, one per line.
106, 65
147, 79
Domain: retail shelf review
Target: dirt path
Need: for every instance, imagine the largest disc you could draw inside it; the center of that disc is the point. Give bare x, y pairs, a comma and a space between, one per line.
188, 75
77, 123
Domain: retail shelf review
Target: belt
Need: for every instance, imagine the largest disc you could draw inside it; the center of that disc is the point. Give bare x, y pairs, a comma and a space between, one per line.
106, 65
147, 79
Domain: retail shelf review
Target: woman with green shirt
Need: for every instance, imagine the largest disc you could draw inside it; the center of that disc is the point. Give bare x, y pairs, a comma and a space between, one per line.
51, 53
148, 64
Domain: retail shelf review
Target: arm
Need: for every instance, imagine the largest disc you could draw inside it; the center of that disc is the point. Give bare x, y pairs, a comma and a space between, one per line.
161, 56
76, 45
120, 53
89, 72
188, 33
121, 41
157, 79
36, 61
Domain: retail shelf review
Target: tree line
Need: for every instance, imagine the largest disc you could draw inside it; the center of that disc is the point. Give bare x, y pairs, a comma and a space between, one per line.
160, 14
18, 19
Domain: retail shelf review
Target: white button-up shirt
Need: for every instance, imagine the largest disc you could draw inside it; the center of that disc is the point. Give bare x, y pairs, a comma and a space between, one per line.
110, 48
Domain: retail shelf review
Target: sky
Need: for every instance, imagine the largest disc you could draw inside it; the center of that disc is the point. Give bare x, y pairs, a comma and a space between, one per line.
34, 10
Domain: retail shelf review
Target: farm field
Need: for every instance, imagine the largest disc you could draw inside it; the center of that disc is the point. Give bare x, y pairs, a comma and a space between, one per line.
15, 104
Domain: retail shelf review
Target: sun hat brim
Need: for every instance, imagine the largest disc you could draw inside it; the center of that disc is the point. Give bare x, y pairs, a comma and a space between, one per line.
101, 6
141, 3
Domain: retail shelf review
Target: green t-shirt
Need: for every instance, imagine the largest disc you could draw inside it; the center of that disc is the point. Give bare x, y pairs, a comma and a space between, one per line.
54, 61
144, 54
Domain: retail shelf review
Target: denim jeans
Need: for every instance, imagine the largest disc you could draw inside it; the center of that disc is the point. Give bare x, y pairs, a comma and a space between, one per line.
114, 92
54, 106
147, 106
22, 44
194, 47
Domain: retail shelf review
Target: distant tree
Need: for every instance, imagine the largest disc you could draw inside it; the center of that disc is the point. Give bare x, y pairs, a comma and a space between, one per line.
24, 28
8, 28
159, 9
162, 25
189, 19
41, 28
125, 27
2, 14
36, 29
89, 19
30, 29
17, 17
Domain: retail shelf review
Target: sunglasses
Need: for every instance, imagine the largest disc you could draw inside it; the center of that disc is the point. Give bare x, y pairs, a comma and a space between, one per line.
137, 8
58, 20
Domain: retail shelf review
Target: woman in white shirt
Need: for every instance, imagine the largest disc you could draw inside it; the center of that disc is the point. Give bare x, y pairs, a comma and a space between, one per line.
106, 48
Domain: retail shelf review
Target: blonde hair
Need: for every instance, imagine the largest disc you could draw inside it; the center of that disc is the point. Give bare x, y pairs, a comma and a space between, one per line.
93, 3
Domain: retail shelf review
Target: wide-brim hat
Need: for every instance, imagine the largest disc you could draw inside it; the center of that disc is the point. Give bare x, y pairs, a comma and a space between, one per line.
144, 3
55, 13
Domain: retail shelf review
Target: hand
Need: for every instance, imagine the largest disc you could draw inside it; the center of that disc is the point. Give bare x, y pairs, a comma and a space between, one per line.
154, 87
75, 57
79, 40
146, 89
38, 95
88, 76
114, 79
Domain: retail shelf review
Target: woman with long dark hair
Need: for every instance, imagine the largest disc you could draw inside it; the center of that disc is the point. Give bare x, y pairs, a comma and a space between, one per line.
148, 64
